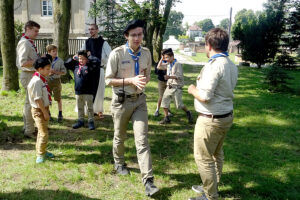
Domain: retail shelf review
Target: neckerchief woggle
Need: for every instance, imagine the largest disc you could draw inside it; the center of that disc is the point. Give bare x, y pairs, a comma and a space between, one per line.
46, 84
135, 58
223, 54
31, 41
171, 66
53, 62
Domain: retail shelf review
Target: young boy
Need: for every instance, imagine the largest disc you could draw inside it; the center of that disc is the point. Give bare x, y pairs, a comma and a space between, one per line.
57, 69
83, 76
40, 99
175, 84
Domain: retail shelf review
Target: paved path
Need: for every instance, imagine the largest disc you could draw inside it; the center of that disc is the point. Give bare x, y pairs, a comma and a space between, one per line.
183, 59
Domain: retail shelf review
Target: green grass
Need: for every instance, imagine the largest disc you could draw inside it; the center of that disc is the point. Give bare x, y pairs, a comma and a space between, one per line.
261, 150
201, 57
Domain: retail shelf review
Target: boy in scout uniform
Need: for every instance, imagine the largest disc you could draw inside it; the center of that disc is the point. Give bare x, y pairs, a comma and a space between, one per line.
175, 84
26, 55
57, 69
128, 72
214, 104
40, 99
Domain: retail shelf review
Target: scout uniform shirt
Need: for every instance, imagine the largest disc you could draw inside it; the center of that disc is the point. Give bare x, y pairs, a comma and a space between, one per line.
37, 90
57, 65
121, 65
215, 84
25, 52
178, 72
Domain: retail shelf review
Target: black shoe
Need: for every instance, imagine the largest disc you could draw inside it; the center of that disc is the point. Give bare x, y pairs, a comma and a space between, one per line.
122, 169
166, 120
78, 124
150, 188
60, 118
189, 116
91, 125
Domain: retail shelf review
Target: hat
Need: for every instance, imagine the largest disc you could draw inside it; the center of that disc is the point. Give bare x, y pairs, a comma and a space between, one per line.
134, 24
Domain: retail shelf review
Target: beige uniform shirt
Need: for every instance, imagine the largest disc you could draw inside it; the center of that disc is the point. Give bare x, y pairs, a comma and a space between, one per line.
37, 90
178, 72
121, 65
215, 84
25, 52
57, 65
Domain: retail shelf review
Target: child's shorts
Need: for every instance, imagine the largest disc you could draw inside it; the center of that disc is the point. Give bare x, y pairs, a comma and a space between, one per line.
55, 88
171, 93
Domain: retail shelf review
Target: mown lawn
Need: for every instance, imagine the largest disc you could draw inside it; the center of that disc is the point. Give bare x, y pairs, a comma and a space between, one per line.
201, 57
262, 154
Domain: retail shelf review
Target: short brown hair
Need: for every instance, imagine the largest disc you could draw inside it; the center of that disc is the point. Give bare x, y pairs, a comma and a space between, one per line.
95, 25
30, 24
51, 47
218, 39
168, 52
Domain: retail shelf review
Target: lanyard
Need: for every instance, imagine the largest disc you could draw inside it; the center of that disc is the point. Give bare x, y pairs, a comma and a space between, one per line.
223, 54
135, 58
171, 66
46, 84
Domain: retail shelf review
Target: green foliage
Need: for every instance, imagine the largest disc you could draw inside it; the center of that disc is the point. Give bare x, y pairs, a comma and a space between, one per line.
205, 24
286, 61
174, 25
19, 26
224, 24
276, 78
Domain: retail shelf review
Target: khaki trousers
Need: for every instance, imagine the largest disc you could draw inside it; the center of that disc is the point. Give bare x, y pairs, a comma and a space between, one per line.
85, 99
208, 151
25, 78
134, 109
42, 125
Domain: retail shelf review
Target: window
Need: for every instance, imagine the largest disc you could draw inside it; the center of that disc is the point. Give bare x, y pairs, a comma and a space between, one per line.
47, 8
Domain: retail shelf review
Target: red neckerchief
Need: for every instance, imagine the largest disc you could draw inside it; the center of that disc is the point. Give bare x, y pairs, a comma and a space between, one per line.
79, 69
46, 84
30, 40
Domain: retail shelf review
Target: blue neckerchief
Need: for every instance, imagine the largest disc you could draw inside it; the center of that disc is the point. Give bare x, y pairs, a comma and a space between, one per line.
135, 58
53, 62
171, 66
223, 54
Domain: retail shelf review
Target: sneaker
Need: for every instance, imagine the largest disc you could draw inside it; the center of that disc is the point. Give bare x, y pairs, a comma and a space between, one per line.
59, 118
170, 114
91, 125
78, 124
39, 159
156, 114
121, 169
203, 197
166, 120
30, 135
198, 188
189, 116
49, 155
150, 188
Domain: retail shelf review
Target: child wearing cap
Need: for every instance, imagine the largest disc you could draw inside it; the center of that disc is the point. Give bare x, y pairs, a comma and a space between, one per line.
54, 82
40, 99
175, 84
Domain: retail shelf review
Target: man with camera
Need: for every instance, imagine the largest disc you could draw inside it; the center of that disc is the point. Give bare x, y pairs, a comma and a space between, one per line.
128, 72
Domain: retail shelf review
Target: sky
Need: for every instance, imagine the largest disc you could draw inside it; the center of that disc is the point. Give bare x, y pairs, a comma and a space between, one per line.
197, 10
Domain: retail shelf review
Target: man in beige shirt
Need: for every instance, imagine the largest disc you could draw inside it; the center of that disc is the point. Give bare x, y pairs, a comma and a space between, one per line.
128, 72
214, 104
26, 56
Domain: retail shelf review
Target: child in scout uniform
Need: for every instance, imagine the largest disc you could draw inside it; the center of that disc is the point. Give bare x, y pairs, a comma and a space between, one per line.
40, 99
83, 76
57, 69
174, 86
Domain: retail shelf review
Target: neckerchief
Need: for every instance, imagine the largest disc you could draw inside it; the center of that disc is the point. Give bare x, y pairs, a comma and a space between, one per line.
53, 62
31, 41
79, 69
171, 66
223, 54
135, 58
46, 84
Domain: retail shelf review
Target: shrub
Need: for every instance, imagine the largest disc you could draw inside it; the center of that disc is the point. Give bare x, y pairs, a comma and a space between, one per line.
276, 78
286, 61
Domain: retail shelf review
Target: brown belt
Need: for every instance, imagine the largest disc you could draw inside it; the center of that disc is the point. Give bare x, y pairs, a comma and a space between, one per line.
134, 95
215, 116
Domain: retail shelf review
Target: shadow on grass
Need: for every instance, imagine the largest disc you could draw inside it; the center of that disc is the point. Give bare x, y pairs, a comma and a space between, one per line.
32, 194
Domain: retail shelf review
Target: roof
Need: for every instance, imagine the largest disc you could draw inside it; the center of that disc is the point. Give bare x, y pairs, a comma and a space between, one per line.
195, 28
172, 40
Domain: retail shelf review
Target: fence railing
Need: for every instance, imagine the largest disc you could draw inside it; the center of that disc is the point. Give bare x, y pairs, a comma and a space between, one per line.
74, 45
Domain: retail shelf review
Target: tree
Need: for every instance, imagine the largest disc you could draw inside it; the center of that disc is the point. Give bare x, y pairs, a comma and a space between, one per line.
205, 25
224, 24
174, 25
8, 48
260, 33
62, 18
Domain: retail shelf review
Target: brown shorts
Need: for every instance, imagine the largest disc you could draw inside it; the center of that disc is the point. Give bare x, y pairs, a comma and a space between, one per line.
55, 88
162, 85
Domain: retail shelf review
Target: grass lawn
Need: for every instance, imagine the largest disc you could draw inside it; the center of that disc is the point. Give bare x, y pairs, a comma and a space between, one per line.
201, 57
262, 154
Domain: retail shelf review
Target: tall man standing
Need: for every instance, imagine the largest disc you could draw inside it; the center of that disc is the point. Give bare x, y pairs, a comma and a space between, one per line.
128, 72
214, 104
26, 56
98, 47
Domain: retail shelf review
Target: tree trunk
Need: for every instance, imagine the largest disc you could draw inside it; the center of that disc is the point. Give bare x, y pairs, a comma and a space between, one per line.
62, 19
10, 71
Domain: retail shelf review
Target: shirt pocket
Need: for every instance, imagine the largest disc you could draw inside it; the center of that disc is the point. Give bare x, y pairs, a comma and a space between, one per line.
126, 69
